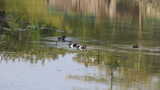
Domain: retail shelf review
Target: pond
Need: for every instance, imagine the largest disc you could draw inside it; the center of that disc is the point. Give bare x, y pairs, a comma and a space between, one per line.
116, 42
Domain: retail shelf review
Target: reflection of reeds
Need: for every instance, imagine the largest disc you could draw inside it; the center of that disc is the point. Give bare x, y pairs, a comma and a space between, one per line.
25, 50
17, 40
124, 70
117, 59
88, 78
110, 8
29, 52
32, 55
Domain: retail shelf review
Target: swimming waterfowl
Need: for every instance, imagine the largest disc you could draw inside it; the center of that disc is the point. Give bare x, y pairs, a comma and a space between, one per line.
77, 46
73, 45
2, 13
81, 47
62, 38
135, 46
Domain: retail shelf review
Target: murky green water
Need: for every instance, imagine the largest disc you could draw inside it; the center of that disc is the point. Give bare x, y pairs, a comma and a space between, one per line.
31, 58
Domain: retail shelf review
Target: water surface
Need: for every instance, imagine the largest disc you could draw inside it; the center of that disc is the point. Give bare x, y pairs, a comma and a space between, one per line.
31, 58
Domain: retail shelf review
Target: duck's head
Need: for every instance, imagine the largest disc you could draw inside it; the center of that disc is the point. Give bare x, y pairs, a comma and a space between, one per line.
62, 38
76, 45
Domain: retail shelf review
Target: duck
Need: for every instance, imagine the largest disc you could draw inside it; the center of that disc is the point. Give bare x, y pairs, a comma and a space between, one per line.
62, 38
2, 13
77, 46
73, 45
81, 47
135, 46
